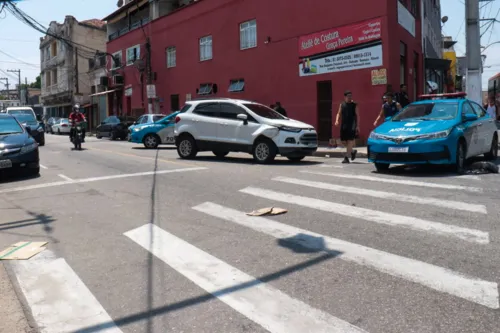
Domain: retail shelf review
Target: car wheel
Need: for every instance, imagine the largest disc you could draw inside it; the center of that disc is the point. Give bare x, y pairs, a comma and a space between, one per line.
220, 154
295, 158
264, 151
98, 135
151, 141
493, 153
187, 147
113, 136
33, 172
381, 167
58, 131
460, 158
42, 142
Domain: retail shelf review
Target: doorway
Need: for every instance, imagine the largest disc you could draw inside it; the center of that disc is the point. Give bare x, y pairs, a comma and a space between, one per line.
174, 103
324, 97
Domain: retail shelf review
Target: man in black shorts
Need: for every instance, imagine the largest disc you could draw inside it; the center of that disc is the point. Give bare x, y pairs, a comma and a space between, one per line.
348, 116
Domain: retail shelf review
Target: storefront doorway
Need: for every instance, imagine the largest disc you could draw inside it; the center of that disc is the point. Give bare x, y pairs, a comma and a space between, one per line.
324, 100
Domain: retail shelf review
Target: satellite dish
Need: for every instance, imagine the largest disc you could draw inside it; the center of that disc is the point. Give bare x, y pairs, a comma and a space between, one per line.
444, 19
119, 3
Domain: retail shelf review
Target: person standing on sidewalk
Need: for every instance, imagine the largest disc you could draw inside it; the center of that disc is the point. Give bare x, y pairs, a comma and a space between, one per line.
348, 117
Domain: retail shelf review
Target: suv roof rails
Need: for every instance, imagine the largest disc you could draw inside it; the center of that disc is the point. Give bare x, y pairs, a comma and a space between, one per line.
208, 98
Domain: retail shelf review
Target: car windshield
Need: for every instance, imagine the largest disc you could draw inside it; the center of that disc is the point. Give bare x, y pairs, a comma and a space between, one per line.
428, 111
9, 125
23, 116
264, 111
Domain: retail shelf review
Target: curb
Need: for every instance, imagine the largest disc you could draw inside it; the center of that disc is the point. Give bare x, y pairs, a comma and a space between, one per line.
337, 154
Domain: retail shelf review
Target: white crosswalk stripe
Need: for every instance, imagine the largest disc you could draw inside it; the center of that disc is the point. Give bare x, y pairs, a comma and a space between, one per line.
265, 305
437, 278
457, 205
396, 181
370, 215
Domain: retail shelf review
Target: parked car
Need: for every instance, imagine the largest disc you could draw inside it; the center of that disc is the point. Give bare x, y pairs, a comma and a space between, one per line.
231, 125
153, 134
18, 149
439, 129
61, 126
26, 116
115, 127
51, 122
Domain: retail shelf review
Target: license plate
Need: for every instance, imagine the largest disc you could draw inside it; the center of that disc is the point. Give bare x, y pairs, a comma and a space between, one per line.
398, 149
4, 164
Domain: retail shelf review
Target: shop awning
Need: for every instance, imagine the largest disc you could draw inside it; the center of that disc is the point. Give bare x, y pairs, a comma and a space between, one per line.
103, 93
438, 64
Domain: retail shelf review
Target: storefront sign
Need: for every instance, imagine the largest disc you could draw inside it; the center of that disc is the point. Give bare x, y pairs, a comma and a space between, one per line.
406, 19
379, 76
364, 58
340, 38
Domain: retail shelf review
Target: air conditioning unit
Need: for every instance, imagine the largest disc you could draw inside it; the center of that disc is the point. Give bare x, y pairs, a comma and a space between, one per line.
118, 80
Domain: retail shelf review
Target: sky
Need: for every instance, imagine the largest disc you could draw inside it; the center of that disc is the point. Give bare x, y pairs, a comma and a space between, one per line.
21, 42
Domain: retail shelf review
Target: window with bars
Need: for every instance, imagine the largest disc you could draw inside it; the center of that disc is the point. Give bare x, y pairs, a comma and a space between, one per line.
248, 34
133, 54
205, 89
171, 57
117, 61
206, 48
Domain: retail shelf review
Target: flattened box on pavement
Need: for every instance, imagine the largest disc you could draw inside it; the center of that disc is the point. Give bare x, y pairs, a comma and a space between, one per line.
22, 250
267, 211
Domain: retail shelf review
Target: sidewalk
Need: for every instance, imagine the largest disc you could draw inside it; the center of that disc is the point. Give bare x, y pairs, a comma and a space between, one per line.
12, 317
339, 152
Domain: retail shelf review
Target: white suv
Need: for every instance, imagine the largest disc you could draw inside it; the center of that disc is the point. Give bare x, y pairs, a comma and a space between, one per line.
229, 125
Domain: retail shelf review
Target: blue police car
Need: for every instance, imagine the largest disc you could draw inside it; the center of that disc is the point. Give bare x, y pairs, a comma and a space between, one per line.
154, 134
437, 129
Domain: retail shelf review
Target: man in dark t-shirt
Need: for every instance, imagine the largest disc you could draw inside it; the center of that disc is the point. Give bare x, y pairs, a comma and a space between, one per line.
348, 116
389, 108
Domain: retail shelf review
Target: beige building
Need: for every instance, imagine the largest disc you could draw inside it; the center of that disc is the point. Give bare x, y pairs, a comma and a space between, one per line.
64, 60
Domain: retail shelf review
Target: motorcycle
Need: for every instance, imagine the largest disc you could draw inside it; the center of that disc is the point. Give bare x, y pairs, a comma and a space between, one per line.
78, 137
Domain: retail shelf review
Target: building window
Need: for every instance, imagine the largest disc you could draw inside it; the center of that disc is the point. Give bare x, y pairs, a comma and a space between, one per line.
206, 48
118, 60
248, 34
402, 63
53, 49
171, 57
237, 85
205, 89
47, 54
54, 76
91, 64
414, 7
133, 54
47, 79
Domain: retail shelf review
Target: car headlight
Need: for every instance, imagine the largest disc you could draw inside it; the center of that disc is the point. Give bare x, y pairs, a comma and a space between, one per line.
435, 135
375, 136
28, 148
137, 129
290, 129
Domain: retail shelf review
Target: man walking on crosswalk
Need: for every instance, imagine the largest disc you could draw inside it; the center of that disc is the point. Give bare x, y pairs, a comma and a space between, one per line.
348, 116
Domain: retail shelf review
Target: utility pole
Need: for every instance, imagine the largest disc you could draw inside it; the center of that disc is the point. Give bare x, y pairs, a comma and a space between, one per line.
150, 87
18, 71
6, 79
473, 51
77, 84
26, 87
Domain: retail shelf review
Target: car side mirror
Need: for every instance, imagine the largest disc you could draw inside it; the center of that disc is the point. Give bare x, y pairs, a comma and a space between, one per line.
243, 117
27, 128
469, 117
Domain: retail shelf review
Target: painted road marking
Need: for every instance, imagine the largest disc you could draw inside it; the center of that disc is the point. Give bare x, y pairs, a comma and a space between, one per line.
59, 300
65, 178
387, 195
397, 181
434, 277
470, 235
43, 166
95, 179
260, 302
142, 157
330, 166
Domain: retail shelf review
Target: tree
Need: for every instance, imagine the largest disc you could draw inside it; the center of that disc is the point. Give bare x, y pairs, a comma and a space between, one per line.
37, 84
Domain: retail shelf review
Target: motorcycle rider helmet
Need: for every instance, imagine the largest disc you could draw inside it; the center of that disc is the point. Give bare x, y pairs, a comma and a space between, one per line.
76, 107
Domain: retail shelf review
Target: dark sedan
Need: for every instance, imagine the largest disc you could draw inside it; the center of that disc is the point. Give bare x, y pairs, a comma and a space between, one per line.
18, 149
28, 118
114, 127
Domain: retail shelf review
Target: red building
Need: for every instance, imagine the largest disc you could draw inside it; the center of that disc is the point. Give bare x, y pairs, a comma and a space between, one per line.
303, 54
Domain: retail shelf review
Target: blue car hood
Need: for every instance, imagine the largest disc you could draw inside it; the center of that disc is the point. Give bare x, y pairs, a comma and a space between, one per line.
416, 127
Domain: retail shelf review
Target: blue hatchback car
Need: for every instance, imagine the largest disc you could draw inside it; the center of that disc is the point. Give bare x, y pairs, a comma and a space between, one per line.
438, 129
154, 134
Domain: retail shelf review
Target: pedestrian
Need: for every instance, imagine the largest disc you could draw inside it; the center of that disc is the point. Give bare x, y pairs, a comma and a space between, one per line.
278, 108
402, 96
491, 108
348, 117
389, 108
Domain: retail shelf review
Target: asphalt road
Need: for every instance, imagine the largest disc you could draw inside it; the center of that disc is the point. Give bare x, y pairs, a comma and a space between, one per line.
141, 241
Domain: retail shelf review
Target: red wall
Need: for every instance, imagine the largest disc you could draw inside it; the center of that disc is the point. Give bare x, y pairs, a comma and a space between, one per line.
270, 70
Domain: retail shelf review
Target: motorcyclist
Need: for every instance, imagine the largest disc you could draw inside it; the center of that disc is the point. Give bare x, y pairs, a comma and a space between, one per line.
75, 118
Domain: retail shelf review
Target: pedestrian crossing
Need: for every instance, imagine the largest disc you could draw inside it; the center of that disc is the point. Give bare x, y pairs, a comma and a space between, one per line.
275, 310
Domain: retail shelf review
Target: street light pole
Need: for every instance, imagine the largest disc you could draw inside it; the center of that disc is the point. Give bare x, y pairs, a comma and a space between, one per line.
473, 51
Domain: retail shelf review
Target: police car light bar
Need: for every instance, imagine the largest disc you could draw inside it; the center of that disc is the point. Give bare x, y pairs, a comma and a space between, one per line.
443, 96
